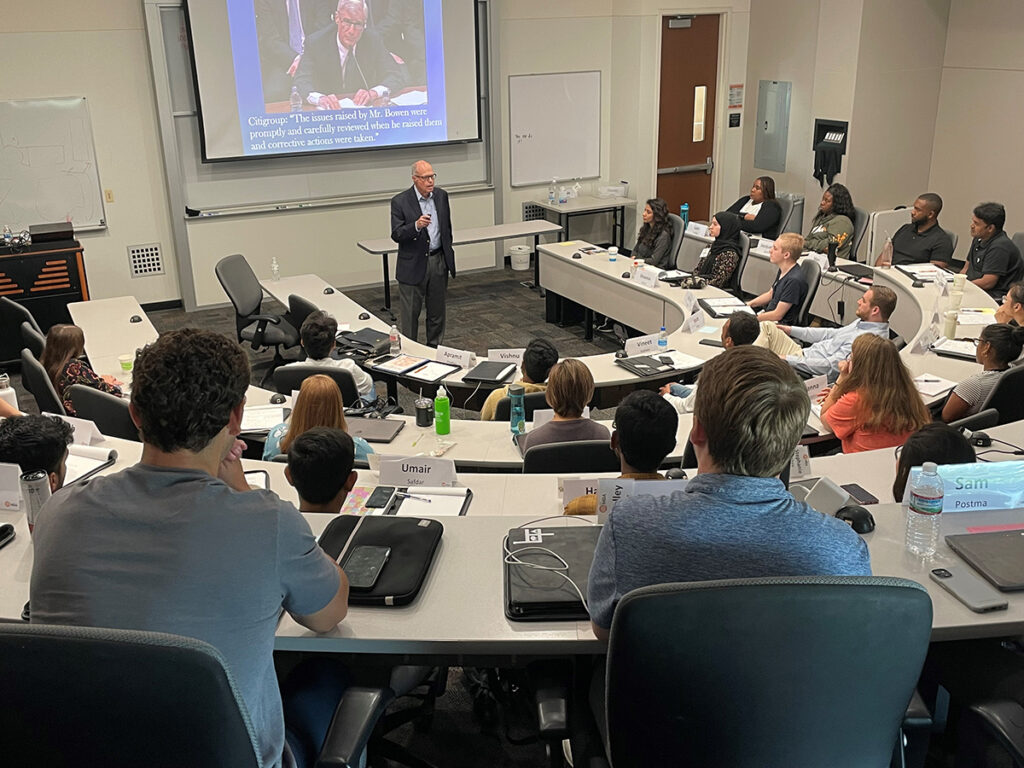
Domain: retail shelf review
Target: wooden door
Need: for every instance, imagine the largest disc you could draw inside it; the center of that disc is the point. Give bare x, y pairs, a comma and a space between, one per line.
689, 74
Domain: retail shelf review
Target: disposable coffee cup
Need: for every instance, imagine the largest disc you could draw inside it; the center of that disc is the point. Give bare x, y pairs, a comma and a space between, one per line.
424, 412
950, 327
959, 281
127, 362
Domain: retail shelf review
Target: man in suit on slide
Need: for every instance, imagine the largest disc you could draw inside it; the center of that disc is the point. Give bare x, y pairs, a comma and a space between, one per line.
347, 59
421, 224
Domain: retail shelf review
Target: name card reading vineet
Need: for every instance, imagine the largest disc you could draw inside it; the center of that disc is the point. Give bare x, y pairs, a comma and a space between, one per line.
986, 485
507, 355
460, 357
641, 345
417, 470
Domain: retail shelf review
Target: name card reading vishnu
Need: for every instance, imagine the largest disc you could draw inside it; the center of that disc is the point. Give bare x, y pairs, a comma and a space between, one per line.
416, 471
507, 355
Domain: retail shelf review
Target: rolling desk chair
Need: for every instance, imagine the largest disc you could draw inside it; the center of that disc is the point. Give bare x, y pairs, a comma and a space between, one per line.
38, 383
775, 671
15, 314
120, 698
532, 401
577, 456
289, 379
298, 310
1018, 240
677, 237
33, 339
786, 205
980, 420
734, 282
1005, 396
860, 228
109, 412
812, 273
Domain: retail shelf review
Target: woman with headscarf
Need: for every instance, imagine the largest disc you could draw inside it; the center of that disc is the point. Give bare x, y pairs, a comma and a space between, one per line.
719, 260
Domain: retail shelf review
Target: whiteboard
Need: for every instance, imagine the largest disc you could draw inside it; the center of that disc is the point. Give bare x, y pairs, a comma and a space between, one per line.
554, 127
48, 164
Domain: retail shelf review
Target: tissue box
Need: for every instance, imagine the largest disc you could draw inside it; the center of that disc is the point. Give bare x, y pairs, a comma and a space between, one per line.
618, 190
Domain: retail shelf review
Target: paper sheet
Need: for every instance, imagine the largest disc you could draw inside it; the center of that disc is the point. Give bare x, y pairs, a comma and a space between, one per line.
433, 502
930, 385
261, 417
83, 459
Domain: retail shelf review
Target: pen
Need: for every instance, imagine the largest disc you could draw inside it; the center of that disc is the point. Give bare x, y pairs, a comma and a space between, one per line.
404, 495
928, 381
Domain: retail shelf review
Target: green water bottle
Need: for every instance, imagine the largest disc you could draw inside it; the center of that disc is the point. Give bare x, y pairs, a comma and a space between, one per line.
442, 412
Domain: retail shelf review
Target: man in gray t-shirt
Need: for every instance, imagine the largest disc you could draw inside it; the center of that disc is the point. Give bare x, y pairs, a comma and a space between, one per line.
178, 543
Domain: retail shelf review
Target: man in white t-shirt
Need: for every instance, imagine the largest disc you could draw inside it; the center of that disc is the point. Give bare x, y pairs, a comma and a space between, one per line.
318, 333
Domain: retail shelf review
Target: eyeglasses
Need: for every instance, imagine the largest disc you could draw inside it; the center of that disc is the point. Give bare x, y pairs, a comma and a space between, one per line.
427, 177
352, 23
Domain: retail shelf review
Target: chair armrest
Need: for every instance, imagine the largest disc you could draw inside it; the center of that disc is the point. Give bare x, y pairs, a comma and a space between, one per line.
551, 682
354, 720
1004, 721
917, 714
261, 328
265, 318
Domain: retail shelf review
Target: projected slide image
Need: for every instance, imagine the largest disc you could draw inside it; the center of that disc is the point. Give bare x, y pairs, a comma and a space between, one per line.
314, 75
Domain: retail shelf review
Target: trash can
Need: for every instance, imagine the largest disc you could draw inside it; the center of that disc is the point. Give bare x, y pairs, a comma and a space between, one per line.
520, 256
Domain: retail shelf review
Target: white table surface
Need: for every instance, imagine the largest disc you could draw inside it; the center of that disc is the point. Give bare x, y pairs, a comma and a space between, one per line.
473, 235
586, 204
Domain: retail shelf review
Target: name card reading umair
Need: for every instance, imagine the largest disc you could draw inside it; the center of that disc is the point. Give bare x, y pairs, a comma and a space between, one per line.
416, 471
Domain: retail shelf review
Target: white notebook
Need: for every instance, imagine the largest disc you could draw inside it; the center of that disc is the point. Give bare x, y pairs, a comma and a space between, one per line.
426, 501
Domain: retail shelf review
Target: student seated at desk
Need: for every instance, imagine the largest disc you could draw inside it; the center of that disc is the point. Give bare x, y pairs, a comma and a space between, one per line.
759, 212
37, 442
539, 356
998, 346
65, 345
782, 303
645, 433
654, 240
570, 388
735, 519
993, 262
874, 402
319, 404
833, 222
718, 261
320, 469
178, 543
1012, 309
936, 442
318, 336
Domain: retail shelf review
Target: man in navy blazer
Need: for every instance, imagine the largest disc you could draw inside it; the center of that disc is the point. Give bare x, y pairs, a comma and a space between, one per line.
421, 224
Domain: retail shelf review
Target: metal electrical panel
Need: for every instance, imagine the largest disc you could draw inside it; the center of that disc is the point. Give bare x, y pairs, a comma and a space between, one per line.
772, 130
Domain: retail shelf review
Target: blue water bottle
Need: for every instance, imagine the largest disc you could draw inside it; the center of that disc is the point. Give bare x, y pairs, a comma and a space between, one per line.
684, 214
517, 408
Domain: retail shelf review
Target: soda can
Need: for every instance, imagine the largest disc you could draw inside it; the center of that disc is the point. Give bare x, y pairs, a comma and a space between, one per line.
35, 490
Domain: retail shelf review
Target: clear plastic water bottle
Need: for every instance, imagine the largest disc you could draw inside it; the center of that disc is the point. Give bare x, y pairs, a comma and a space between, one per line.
924, 512
662, 340
295, 100
8, 235
684, 214
275, 268
517, 409
442, 412
7, 392
563, 195
396, 340
552, 197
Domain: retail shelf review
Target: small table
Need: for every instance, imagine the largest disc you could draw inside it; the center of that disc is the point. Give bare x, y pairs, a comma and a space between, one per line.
588, 204
386, 245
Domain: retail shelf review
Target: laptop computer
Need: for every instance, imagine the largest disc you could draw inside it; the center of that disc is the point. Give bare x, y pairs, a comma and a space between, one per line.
857, 270
998, 556
533, 594
375, 430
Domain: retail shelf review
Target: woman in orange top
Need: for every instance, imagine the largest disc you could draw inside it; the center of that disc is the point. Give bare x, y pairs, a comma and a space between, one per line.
874, 403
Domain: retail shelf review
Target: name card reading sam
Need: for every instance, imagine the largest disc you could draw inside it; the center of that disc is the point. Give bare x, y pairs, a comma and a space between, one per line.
417, 470
460, 357
982, 486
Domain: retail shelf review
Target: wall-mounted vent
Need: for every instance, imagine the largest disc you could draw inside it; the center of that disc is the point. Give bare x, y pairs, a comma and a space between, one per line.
532, 212
145, 260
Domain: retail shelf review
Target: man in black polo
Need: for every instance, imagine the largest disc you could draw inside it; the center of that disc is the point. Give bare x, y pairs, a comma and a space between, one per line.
994, 262
922, 240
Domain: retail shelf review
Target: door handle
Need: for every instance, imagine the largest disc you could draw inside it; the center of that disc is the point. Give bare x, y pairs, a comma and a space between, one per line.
707, 166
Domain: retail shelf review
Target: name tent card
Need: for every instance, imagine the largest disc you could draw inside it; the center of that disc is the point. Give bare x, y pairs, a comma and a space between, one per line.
689, 301
574, 487
10, 487
647, 277
981, 486
507, 355
696, 228
695, 322
816, 386
460, 357
85, 432
417, 471
642, 345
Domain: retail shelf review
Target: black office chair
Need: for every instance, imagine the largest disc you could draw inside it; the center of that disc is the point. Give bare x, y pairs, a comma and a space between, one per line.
898, 341
109, 412
812, 273
1018, 240
246, 294
578, 456
991, 735
1006, 396
33, 339
860, 228
14, 314
980, 420
786, 205
678, 230
795, 671
954, 238
735, 281
35, 380
532, 401
288, 379
298, 310
120, 698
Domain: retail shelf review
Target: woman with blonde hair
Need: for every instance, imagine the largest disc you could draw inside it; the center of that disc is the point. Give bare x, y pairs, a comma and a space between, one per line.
874, 403
65, 345
570, 388
319, 404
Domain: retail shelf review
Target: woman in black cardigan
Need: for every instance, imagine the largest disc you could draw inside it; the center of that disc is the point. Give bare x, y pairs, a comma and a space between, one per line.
759, 212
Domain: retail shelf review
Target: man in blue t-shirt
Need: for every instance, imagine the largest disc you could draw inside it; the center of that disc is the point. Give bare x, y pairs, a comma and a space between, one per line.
782, 303
178, 543
735, 519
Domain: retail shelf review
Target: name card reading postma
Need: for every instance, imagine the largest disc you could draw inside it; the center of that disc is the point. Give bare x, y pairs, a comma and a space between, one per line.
460, 357
981, 486
647, 277
507, 355
417, 470
642, 345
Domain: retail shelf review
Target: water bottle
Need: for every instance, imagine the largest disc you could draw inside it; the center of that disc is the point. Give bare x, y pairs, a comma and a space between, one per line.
442, 412
633, 268
563, 195
551, 192
275, 268
517, 409
295, 99
924, 511
662, 340
684, 214
7, 391
8, 235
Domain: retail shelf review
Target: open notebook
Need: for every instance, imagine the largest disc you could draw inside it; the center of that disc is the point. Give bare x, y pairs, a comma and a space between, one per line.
86, 460
426, 501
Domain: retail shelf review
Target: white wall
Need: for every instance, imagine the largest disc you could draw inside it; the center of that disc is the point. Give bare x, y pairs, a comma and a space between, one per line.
97, 49
978, 153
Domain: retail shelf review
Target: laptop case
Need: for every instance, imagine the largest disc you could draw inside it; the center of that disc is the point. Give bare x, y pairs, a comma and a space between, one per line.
998, 556
491, 372
540, 595
375, 430
857, 270
413, 542
367, 340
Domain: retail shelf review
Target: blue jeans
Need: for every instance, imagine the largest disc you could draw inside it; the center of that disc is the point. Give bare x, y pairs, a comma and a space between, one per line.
310, 694
679, 390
